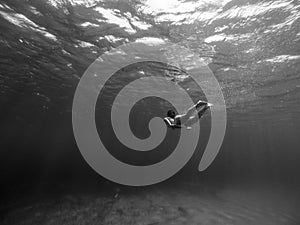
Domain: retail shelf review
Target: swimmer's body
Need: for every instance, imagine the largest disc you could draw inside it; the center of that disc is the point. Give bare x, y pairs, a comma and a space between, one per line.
187, 119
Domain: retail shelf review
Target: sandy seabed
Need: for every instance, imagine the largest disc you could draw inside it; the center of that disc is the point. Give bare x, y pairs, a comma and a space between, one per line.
184, 204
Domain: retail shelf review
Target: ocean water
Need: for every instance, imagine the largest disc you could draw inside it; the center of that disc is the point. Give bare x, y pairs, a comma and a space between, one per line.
251, 47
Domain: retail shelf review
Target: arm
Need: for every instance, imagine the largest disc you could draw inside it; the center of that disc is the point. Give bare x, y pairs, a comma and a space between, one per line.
169, 124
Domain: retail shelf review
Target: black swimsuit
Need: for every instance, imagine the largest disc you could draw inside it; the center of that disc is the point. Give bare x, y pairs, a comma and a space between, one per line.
177, 122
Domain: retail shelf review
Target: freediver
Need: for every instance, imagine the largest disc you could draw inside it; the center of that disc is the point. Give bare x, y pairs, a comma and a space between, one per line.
187, 119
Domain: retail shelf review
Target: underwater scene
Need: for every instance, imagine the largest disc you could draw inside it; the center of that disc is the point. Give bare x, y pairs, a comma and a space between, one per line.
103, 74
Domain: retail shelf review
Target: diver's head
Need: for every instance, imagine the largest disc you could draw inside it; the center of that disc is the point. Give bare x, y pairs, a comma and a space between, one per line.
171, 113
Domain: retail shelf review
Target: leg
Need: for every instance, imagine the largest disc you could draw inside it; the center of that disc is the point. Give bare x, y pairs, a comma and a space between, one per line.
191, 110
197, 117
202, 111
188, 115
